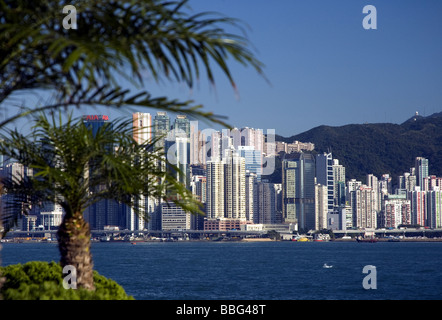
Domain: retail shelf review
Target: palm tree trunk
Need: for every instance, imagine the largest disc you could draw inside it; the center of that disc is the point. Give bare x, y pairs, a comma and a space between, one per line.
2, 279
74, 243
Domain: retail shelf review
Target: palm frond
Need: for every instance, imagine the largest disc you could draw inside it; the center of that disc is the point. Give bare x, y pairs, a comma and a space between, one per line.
76, 168
114, 39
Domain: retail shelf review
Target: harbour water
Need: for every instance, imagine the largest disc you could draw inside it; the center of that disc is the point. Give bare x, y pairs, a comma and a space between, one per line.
259, 270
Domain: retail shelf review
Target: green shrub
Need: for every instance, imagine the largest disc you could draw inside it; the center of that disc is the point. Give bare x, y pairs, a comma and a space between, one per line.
38, 280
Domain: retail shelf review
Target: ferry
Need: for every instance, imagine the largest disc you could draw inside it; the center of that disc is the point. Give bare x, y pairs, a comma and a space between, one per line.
370, 240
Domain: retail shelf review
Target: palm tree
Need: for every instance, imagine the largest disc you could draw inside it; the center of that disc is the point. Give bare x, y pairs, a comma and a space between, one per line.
134, 40
115, 39
75, 168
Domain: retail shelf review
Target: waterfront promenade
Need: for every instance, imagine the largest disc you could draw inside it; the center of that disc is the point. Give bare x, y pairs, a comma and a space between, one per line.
408, 234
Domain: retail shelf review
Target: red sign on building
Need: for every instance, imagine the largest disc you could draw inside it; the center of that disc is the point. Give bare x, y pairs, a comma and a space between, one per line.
96, 117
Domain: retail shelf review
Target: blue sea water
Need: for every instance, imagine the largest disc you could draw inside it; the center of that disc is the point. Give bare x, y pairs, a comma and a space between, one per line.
259, 270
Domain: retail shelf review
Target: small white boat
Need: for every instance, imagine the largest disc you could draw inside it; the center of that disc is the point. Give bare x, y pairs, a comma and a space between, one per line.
105, 239
326, 266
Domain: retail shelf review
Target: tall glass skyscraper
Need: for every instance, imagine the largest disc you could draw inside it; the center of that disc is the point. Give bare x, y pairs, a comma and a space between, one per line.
181, 126
105, 212
298, 188
253, 159
324, 176
95, 122
421, 167
161, 126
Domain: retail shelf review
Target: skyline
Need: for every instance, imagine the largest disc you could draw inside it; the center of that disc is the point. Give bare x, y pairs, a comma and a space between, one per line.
328, 174
84, 174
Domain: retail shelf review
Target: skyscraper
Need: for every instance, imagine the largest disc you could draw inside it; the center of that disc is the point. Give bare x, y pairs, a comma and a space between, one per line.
142, 127
195, 145
267, 203
95, 122
226, 187
321, 207
15, 171
253, 159
214, 151
161, 126
215, 189
373, 183
352, 185
298, 187
363, 202
407, 182
289, 174
324, 176
421, 167
181, 126
396, 211
235, 185
434, 199
250, 184
142, 133
385, 185
178, 154
104, 212
432, 181
339, 183
198, 185
418, 206
247, 137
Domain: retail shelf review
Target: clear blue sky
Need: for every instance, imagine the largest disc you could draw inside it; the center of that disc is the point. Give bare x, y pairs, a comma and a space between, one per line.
323, 67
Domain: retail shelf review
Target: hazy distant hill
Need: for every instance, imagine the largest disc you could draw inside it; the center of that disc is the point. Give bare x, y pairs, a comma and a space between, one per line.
381, 147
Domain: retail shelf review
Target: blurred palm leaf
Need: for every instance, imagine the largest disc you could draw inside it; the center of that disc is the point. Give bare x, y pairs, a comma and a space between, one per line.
115, 39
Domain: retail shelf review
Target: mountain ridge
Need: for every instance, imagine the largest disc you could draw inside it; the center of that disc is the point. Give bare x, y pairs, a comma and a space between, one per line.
380, 148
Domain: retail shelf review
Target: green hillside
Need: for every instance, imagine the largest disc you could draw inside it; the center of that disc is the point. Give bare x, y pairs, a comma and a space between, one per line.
380, 148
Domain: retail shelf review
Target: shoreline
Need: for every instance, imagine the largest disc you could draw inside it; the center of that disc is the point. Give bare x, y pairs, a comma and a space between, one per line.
241, 240
395, 240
